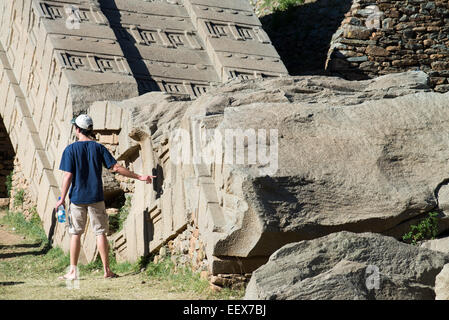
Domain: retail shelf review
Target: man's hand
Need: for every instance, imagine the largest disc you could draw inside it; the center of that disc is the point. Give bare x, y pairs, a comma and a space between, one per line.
147, 179
59, 203
126, 173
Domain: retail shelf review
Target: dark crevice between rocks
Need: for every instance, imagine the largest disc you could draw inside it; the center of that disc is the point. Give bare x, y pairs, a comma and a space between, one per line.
7, 156
302, 35
437, 190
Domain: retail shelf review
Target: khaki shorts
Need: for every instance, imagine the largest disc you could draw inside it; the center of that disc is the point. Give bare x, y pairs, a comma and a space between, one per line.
99, 220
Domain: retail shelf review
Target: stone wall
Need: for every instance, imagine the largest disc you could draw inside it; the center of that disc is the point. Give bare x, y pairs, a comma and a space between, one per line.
381, 37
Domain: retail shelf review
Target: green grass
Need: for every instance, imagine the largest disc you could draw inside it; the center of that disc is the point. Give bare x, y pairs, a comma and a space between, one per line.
34, 256
39, 261
54, 259
183, 279
32, 228
116, 267
282, 5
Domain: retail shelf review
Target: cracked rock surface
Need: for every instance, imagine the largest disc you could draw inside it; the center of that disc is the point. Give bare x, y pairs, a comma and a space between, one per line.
348, 266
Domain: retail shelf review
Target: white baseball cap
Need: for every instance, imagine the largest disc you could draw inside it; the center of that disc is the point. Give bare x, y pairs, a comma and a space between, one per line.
84, 122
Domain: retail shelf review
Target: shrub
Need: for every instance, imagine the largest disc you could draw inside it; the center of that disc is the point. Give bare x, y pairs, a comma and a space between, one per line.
19, 197
282, 5
426, 229
8, 183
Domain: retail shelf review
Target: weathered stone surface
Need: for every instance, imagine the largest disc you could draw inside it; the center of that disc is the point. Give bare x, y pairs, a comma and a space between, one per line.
440, 245
357, 156
337, 167
348, 266
442, 284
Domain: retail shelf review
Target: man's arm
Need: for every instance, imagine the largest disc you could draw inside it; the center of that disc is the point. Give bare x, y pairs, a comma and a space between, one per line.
125, 172
66, 181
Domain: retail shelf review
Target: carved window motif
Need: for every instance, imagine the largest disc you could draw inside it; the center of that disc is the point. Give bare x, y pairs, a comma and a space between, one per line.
177, 39
245, 76
171, 87
241, 75
77, 62
199, 89
246, 33
219, 30
55, 12
43, 11
83, 15
150, 37
106, 64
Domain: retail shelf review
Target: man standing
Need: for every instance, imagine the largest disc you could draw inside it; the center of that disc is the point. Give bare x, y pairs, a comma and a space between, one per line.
82, 163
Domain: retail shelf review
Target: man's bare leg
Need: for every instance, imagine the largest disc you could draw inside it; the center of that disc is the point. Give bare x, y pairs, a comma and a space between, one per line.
75, 246
103, 249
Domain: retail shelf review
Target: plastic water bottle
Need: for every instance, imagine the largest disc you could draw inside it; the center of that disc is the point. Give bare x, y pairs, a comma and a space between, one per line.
61, 212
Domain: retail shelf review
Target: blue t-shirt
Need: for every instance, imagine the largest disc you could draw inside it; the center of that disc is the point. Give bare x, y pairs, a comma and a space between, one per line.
85, 160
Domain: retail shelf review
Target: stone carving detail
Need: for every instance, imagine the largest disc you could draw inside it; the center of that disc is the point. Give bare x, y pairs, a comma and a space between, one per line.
51, 72
90, 62
51, 11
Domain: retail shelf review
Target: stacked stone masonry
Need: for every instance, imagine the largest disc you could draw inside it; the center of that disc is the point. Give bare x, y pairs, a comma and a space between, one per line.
383, 36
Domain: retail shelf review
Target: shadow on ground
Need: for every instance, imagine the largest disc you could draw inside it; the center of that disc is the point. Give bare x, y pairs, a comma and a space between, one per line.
10, 283
42, 249
24, 245
302, 35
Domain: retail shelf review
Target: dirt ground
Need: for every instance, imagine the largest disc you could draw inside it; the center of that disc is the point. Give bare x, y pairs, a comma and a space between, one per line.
18, 256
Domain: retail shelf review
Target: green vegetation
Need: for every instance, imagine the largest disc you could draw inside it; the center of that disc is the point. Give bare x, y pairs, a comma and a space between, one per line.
36, 266
32, 229
282, 5
8, 183
42, 260
426, 229
116, 221
183, 279
19, 197
54, 258
115, 266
